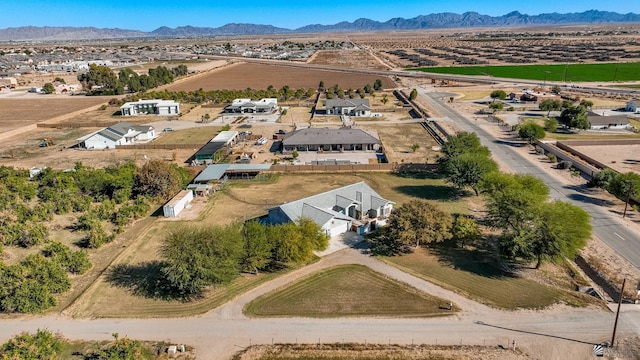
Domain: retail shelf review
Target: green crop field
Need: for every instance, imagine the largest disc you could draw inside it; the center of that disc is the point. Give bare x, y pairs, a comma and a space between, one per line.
557, 73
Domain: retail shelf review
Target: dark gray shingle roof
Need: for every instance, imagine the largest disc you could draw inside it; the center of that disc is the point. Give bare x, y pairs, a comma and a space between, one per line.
313, 136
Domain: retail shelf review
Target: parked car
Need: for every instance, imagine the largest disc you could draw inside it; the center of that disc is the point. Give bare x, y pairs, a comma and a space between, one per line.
282, 131
261, 141
167, 129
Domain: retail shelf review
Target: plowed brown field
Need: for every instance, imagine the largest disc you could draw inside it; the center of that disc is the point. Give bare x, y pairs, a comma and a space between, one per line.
259, 76
15, 113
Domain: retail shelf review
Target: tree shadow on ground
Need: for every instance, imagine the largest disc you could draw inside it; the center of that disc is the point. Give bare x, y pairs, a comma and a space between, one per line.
430, 192
590, 200
144, 279
478, 258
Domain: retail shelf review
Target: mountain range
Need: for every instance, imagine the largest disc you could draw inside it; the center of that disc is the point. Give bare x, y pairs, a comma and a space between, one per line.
431, 21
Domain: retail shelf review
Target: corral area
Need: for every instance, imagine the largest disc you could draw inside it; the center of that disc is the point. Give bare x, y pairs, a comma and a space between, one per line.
622, 158
260, 76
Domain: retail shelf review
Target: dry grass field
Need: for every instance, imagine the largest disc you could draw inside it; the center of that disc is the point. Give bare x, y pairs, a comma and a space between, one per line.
347, 291
351, 351
239, 200
259, 76
472, 273
17, 112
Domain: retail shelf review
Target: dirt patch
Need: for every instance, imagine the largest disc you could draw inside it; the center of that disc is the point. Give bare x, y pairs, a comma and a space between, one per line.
260, 76
347, 58
622, 158
398, 140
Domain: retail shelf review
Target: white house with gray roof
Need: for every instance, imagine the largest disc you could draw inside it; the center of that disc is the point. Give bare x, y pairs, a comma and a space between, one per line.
325, 139
351, 107
355, 207
122, 133
152, 107
248, 106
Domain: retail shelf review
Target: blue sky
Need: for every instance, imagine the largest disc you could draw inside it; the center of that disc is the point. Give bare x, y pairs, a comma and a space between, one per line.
148, 15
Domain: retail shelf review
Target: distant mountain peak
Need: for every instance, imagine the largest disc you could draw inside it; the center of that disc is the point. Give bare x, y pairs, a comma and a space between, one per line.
431, 21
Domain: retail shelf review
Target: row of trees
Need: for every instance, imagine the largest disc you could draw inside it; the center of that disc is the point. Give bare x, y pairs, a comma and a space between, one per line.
127, 80
572, 115
618, 184
532, 227
197, 257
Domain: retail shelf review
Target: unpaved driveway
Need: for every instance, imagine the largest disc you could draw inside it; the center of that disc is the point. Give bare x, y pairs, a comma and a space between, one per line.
558, 333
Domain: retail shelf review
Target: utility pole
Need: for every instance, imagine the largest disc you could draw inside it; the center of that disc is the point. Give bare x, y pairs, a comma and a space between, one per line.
615, 324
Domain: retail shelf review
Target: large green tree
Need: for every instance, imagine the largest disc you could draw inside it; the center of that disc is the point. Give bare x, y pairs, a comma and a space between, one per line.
468, 169
498, 94
531, 132
258, 248
550, 105
532, 227
410, 225
158, 179
195, 257
463, 142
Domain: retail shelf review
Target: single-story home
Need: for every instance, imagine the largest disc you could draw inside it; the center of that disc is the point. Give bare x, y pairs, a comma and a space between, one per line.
247, 106
177, 204
155, 107
351, 107
633, 106
343, 139
356, 207
122, 133
598, 122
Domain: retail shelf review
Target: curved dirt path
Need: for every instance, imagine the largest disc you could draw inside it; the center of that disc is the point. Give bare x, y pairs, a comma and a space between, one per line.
234, 309
559, 333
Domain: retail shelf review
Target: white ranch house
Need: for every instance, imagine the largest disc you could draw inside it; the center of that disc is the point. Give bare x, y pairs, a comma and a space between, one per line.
248, 106
152, 107
356, 207
351, 107
600, 122
122, 133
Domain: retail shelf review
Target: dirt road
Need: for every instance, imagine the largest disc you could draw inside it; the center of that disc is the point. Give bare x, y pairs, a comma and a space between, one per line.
561, 332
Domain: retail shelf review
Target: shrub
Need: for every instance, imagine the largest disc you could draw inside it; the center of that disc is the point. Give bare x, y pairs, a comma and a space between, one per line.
552, 157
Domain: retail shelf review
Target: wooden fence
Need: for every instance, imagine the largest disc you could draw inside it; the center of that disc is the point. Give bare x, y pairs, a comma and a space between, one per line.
388, 167
158, 146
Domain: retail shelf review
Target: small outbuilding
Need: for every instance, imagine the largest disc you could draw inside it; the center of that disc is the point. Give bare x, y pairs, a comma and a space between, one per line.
177, 204
633, 106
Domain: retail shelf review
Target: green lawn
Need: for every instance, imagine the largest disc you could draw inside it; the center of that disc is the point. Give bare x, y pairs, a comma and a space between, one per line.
347, 290
474, 275
558, 73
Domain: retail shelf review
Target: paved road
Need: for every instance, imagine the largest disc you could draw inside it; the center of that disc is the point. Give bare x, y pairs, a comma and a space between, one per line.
607, 226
